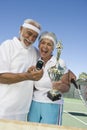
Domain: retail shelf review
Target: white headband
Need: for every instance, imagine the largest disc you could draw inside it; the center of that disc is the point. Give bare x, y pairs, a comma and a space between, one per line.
26, 25
49, 37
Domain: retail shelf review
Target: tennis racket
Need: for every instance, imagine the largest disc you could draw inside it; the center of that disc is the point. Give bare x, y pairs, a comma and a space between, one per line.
81, 86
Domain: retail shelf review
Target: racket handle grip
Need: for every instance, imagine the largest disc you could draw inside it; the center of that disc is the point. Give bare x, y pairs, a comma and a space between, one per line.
74, 82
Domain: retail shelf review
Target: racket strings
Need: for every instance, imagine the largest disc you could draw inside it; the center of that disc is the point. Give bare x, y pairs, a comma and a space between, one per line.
83, 93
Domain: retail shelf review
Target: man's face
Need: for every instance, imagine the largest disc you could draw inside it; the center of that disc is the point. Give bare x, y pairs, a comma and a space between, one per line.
28, 36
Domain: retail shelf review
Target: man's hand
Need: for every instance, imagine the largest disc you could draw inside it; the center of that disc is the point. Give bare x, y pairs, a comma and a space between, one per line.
34, 74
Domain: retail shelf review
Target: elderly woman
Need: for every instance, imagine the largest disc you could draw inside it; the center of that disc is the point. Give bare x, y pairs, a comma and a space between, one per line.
44, 110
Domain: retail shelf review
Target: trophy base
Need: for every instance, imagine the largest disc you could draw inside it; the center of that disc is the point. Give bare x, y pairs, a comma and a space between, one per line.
54, 96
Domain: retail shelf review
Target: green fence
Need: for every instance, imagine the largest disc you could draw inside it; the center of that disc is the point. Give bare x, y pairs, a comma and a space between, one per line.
72, 93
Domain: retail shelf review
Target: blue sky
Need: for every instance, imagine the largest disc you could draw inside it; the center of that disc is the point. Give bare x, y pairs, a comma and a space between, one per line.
66, 18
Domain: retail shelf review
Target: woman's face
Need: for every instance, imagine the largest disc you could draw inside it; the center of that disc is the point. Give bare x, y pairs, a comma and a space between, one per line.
46, 47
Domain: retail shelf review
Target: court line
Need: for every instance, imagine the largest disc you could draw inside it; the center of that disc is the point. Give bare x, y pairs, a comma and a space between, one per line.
75, 118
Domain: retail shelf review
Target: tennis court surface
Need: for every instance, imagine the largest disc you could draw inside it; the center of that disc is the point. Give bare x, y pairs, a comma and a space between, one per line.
75, 113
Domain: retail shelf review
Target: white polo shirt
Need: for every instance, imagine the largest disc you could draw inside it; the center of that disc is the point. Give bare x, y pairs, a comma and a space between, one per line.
44, 84
16, 98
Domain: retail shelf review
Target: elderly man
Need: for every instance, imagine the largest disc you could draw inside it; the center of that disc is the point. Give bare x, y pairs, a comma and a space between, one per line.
17, 61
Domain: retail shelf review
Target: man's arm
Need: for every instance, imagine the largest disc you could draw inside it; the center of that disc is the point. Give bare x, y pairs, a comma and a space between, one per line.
9, 78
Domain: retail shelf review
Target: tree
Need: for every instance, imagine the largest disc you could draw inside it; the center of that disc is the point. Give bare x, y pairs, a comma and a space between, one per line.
83, 76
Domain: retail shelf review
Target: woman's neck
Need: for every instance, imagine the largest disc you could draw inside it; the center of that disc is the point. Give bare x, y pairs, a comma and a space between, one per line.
46, 59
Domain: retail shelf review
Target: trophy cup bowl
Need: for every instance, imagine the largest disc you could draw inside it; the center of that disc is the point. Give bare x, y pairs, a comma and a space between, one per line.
55, 74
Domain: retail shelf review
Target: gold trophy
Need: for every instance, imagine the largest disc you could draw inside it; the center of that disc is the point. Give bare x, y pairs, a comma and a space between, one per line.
55, 73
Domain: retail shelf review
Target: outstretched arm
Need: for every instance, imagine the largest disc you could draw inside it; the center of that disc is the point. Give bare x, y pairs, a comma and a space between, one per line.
9, 78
